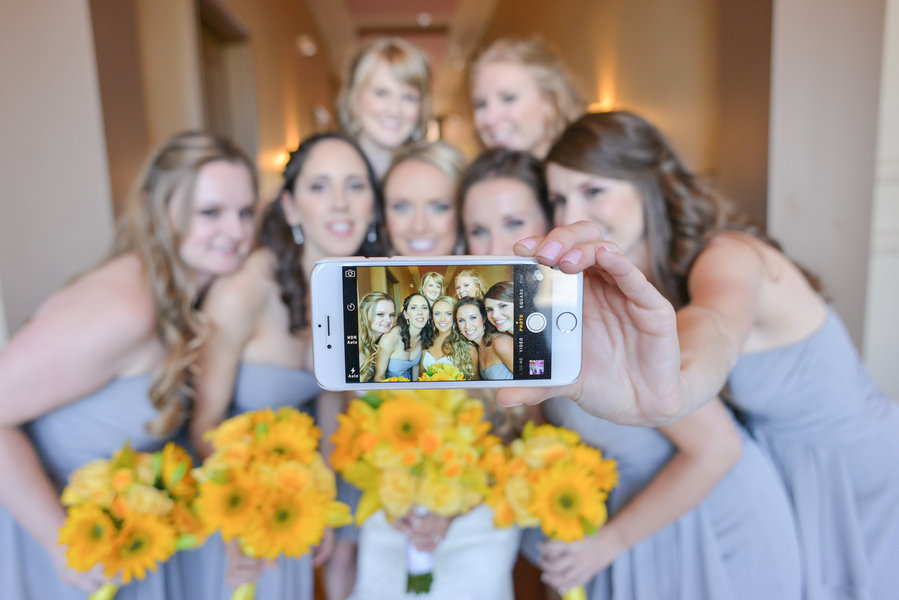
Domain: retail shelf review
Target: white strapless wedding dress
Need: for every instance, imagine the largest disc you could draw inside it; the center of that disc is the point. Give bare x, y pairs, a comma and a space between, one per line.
473, 562
428, 360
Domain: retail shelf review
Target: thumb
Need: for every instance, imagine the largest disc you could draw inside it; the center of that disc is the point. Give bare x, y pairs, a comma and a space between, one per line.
516, 396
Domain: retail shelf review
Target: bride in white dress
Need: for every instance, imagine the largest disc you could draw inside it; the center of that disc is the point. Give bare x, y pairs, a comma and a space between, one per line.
449, 346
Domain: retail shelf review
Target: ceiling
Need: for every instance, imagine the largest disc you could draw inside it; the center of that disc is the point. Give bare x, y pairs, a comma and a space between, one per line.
447, 30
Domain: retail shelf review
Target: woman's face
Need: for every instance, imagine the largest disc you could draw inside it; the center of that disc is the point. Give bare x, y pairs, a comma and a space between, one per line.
418, 311
387, 109
465, 287
613, 204
500, 313
498, 212
432, 289
332, 200
470, 322
419, 210
509, 109
443, 316
220, 230
384, 316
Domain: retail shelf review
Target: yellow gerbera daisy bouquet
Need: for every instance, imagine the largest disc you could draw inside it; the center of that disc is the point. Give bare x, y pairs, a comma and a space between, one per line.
414, 451
130, 513
548, 478
267, 485
441, 372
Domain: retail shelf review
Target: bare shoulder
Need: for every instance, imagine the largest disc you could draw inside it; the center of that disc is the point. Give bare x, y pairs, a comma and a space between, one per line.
504, 343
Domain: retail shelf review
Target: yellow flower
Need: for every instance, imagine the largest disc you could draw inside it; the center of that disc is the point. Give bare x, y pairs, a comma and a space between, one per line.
230, 431
285, 441
393, 379
442, 372
567, 502
293, 477
398, 490
289, 523
228, 506
441, 496
350, 435
520, 494
89, 483
176, 472
143, 541
87, 533
148, 500
403, 420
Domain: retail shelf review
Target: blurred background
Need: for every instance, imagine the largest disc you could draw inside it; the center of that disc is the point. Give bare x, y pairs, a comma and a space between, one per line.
790, 106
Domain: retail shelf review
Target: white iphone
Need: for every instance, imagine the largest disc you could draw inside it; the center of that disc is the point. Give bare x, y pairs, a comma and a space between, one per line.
444, 322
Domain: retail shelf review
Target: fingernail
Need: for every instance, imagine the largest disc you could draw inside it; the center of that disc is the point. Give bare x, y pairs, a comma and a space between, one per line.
609, 249
550, 250
511, 404
529, 243
573, 257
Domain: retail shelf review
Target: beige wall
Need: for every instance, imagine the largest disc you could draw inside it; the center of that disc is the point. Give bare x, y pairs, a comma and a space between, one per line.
55, 212
4, 332
656, 58
824, 95
881, 349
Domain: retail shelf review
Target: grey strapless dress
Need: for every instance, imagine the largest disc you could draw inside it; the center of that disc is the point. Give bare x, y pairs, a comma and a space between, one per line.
497, 371
65, 439
834, 437
256, 387
738, 543
401, 368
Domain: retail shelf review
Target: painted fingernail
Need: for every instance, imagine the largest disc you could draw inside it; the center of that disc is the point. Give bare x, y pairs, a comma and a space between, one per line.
573, 257
529, 243
609, 249
550, 250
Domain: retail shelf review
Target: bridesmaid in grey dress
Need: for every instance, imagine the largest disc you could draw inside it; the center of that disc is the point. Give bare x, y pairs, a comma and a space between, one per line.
261, 352
681, 295
399, 350
104, 361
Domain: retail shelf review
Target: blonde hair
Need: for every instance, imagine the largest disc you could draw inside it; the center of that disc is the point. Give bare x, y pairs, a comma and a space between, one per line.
456, 345
146, 229
445, 157
549, 72
427, 278
407, 63
368, 345
476, 279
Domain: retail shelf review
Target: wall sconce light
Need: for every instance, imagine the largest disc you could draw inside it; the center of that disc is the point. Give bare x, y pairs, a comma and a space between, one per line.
306, 45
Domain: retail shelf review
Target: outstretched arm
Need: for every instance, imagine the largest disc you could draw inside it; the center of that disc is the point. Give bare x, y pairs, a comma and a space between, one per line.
631, 357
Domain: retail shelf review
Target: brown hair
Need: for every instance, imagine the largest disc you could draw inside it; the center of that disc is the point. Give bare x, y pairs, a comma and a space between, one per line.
680, 210
276, 235
146, 229
500, 163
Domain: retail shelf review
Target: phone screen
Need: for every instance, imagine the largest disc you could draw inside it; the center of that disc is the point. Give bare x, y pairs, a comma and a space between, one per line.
447, 322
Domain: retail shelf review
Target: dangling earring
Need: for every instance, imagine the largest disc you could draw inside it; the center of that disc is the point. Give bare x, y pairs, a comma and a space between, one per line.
297, 232
372, 235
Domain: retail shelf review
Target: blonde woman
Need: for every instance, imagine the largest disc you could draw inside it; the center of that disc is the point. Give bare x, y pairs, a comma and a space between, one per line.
431, 286
421, 215
385, 101
522, 96
377, 316
469, 284
449, 346
109, 358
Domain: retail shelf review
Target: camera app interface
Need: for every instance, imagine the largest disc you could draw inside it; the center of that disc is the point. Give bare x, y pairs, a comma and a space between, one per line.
447, 323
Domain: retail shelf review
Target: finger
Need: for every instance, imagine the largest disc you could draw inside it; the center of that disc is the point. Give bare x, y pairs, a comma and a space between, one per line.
561, 240
629, 279
553, 549
517, 396
526, 246
582, 256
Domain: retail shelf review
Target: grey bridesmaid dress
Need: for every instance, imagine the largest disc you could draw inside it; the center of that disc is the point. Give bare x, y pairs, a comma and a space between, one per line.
738, 543
833, 436
257, 387
91, 428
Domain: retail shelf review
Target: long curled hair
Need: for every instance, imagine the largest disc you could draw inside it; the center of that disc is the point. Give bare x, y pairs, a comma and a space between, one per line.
146, 229
368, 343
276, 235
456, 346
428, 331
680, 210
490, 332
476, 279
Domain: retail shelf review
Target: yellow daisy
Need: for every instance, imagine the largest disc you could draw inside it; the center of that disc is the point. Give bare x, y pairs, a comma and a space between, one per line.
228, 506
567, 502
403, 421
87, 533
290, 524
143, 542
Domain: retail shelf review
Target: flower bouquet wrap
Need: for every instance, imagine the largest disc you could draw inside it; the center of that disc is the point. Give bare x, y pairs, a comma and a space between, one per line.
267, 485
441, 372
414, 452
549, 479
130, 513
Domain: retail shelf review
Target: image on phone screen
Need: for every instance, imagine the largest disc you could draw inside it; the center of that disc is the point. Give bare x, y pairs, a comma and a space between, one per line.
493, 320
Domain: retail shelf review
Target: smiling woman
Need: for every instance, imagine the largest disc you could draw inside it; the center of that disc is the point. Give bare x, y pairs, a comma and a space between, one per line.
385, 101
421, 215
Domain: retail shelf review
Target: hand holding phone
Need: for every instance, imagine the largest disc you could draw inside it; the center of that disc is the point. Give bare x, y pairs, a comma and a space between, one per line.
444, 322
631, 356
